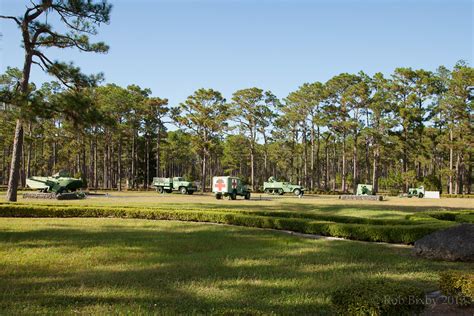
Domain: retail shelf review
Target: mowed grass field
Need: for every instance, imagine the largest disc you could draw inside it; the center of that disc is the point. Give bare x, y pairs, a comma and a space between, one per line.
121, 266
130, 266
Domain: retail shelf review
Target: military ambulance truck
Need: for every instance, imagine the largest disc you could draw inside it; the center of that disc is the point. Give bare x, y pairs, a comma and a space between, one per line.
169, 185
229, 187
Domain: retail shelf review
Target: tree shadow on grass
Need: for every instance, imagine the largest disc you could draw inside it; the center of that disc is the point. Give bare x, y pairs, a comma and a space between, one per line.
185, 268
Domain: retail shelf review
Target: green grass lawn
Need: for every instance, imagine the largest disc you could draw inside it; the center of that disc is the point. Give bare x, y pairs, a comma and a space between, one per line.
107, 265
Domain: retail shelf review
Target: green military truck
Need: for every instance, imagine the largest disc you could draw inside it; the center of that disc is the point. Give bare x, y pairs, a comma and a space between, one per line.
276, 187
169, 185
229, 187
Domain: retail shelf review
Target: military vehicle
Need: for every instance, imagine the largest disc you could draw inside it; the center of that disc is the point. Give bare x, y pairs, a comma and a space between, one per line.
229, 187
418, 192
169, 185
364, 189
276, 187
364, 192
59, 186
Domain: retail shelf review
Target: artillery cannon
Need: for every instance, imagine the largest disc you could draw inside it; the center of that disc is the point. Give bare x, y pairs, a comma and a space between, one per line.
364, 192
276, 187
364, 189
59, 186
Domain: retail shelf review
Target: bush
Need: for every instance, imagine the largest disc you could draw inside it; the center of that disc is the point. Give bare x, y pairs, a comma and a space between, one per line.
378, 297
367, 232
462, 196
459, 286
452, 216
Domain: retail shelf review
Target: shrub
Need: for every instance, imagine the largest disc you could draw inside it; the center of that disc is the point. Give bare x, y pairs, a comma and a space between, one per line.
368, 232
459, 286
378, 297
465, 218
459, 196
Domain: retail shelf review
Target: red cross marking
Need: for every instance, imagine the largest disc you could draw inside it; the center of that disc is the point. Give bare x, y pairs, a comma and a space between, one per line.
234, 183
220, 184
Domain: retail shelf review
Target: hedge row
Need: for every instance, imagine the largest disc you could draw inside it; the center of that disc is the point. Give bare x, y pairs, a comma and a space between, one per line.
461, 196
452, 216
378, 297
379, 233
338, 218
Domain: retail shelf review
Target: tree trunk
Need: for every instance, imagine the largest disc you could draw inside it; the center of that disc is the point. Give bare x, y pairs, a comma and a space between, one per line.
343, 173
318, 161
312, 157
203, 173
355, 171
457, 189
15, 163
375, 173
147, 162
252, 166
18, 139
119, 164
451, 162
158, 153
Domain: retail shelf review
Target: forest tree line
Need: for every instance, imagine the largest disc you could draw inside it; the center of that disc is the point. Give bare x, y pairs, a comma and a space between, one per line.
412, 127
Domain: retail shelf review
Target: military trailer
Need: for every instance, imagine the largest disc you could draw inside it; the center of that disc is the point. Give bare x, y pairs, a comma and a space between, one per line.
229, 187
58, 186
364, 189
276, 187
418, 192
169, 185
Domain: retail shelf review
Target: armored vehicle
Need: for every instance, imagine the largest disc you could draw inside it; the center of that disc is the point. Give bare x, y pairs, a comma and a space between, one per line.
276, 187
418, 192
169, 185
229, 187
364, 189
58, 186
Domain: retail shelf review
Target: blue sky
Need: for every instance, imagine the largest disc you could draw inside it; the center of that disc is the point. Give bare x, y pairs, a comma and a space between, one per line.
176, 47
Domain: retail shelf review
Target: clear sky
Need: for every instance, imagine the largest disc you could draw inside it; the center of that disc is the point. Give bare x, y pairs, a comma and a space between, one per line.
177, 46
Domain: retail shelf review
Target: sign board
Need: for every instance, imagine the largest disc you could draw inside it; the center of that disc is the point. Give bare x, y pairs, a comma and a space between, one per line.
431, 194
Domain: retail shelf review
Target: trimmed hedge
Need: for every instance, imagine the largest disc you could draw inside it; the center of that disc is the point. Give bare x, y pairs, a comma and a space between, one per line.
378, 297
459, 286
459, 196
451, 216
380, 233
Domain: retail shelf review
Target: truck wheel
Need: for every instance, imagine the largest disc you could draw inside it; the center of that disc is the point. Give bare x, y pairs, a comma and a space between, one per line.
247, 196
297, 192
267, 191
159, 190
183, 190
420, 195
232, 196
280, 191
218, 196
